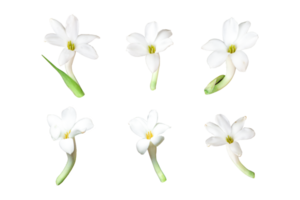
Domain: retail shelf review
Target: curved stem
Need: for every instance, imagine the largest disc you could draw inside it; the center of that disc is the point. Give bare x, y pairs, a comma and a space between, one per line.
69, 69
69, 166
153, 82
152, 154
238, 163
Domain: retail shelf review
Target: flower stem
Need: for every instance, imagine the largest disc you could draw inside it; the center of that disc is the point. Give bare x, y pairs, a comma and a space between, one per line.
153, 82
73, 85
69, 69
69, 166
152, 154
238, 163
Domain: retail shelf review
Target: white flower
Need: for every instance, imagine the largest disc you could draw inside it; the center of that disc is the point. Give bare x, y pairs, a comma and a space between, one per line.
69, 39
227, 134
150, 45
66, 128
149, 131
236, 38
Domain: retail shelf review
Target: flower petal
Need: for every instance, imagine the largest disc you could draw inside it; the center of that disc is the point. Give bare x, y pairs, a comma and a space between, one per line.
142, 145
163, 45
247, 41
152, 61
55, 131
152, 119
243, 29
139, 126
87, 51
67, 145
72, 27
160, 129
151, 32
215, 45
217, 58
236, 149
223, 122
157, 140
137, 38
238, 125
54, 39
81, 126
137, 50
230, 31
240, 60
162, 35
68, 118
53, 120
215, 130
215, 141
85, 38
59, 29
65, 56
244, 134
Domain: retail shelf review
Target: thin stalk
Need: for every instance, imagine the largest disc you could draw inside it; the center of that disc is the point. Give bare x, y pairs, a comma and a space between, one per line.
154, 78
152, 154
69, 69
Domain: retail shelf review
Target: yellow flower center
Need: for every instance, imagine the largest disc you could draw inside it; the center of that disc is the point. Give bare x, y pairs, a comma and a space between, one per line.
229, 139
151, 49
149, 135
66, 135
71, 46
231, 49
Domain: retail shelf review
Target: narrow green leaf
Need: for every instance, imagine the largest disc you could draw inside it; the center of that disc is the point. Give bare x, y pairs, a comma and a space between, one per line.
211, 87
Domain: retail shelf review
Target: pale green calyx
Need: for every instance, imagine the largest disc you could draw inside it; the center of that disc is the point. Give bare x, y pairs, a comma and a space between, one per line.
231, 49
71, 46
151, 49
229, 139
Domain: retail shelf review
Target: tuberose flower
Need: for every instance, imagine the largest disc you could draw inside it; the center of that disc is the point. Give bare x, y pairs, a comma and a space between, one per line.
66, 128
236, 38
150, 46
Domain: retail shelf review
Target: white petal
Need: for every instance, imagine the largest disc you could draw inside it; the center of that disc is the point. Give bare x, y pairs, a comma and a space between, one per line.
244, 134
157, 140
230, 31
68, 118
53, 120
59, 29
240, 60
217, 58
152, 119
215, 130
160, 129
238, 125
151, 32
243, 29
162, 35
139, 126
55, 131
137, 38
163, 45
67, 145
87, 51
152, 61
247, 41
223, 122
65, 56
81, 126
236, 149
215, 45
142, 145
215, 141
137, 50
86, 38
55, 40
72, 27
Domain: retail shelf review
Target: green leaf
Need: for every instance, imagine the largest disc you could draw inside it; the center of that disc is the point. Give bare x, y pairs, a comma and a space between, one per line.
211, 87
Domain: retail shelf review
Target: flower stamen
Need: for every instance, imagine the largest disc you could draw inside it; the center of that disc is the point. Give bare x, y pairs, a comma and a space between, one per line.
66, 135
151, 49
229, 139
231, 49
71, 46
149, 135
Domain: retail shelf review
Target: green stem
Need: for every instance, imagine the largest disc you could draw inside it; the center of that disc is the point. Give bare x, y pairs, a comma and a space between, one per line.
153, 82
238, 163
73, 85
152, 154
69, 166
